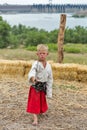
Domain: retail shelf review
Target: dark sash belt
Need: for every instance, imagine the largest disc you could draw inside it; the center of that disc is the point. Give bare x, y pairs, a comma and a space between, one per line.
40, 86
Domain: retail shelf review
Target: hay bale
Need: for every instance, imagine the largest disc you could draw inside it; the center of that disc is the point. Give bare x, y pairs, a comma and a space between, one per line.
27, 68
15, 68
82, 73
64, 71
12, 68
20, 68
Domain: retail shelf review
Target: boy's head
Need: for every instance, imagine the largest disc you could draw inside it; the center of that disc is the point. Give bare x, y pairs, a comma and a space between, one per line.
42, 47
42, 52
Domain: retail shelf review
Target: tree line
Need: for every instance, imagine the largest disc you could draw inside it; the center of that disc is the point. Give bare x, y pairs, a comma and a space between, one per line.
18, 35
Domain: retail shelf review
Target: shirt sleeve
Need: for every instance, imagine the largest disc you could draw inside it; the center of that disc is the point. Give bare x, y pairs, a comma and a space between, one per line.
32, 72
50, 83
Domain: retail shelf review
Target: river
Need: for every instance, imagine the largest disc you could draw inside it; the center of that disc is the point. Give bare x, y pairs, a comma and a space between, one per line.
44, 21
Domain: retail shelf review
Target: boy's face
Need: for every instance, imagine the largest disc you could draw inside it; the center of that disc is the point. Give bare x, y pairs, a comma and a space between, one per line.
42, 54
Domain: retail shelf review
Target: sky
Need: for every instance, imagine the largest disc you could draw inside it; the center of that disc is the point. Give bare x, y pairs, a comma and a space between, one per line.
43, 1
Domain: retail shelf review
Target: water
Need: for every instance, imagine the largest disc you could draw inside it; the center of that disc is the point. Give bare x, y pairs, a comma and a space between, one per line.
48, 22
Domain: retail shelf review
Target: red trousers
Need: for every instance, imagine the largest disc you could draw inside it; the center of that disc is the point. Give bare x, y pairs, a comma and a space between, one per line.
36, 101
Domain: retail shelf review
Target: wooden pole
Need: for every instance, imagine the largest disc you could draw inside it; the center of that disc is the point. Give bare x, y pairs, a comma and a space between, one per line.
61, 38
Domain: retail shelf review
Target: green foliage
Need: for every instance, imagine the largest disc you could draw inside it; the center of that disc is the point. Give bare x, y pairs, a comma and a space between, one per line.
75, 48
76, 35
26, 36
0, 18
78, 16
53, 36
4, 33
14, 41
52, 47
31, 48
70, 48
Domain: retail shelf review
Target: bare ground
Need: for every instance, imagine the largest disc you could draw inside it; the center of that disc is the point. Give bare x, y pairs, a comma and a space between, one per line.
67, 108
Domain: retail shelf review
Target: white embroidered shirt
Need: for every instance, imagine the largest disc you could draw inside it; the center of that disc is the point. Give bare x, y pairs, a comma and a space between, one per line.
42, 74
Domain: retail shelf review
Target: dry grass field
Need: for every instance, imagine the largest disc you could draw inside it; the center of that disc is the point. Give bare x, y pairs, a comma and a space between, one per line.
67, 108
22, 54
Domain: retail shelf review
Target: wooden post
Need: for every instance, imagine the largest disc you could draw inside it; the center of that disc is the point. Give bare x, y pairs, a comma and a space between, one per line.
61, 38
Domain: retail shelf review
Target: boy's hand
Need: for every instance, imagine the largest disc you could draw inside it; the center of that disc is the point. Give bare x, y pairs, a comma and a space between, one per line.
32, 79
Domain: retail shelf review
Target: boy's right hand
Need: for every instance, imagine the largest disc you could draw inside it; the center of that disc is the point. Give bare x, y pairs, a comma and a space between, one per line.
32, 79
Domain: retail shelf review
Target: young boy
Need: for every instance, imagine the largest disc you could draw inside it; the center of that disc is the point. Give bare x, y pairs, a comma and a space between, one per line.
41, 79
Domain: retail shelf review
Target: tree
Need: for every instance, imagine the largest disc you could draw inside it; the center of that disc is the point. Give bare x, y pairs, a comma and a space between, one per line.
4, 33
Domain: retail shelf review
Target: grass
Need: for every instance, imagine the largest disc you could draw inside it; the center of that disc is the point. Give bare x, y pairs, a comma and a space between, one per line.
75, 58
69, 48
75, 48
69, 87
23, 54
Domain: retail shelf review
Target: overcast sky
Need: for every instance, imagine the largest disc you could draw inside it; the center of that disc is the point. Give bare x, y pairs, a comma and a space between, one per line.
43, 1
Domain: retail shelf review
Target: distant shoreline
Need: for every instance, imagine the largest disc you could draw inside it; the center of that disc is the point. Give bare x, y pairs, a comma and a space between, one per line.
42, 8
80, 14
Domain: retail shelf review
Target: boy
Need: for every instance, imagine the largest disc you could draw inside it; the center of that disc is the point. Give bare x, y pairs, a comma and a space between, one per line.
41, 79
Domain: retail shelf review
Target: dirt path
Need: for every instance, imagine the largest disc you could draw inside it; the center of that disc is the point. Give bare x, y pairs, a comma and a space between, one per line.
67, 108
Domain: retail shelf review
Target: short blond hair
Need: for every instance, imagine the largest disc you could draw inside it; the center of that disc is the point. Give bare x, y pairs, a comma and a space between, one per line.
42, 47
